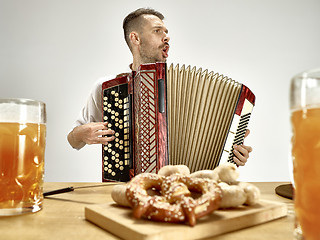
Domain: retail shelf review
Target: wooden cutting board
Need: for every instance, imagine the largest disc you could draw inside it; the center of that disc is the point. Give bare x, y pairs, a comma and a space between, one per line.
118, 220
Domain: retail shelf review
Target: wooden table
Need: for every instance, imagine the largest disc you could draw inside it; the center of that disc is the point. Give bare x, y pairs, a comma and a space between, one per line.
63, 217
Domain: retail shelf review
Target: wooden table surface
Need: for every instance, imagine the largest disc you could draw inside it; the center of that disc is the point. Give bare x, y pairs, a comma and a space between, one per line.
62, 217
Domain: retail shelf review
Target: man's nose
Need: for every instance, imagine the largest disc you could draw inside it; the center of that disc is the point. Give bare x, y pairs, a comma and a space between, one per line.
166, 39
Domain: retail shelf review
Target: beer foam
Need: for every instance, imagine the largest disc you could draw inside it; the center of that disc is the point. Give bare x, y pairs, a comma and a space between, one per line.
22, 111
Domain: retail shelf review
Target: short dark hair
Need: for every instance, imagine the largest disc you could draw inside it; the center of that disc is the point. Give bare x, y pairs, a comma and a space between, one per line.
133, 21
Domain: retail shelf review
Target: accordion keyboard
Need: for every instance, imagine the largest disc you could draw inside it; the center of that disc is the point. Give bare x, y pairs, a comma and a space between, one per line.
241, 131
117, 153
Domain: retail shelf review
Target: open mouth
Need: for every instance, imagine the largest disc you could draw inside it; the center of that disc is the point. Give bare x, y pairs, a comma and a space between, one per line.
165, 51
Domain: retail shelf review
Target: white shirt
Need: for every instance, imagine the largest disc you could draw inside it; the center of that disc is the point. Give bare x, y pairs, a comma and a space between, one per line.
92, 110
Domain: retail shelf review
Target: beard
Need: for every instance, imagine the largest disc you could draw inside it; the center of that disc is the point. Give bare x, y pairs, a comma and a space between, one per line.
152, 54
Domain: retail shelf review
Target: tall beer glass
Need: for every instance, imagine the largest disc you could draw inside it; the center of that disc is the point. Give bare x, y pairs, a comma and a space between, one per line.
22, 146
305, 121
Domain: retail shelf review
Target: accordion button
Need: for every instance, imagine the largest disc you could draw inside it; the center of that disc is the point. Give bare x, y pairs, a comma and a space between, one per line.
116, 99
120, 101
121, 168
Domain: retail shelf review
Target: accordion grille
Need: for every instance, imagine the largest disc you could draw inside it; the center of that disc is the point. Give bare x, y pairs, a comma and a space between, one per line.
200, 110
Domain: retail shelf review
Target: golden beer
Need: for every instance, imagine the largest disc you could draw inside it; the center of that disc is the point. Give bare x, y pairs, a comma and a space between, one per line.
306, 166
22, 147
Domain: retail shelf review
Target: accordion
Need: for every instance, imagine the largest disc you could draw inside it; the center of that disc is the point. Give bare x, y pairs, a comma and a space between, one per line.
175, 115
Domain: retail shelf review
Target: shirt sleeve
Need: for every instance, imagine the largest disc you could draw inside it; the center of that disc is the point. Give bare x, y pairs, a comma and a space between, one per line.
92, 110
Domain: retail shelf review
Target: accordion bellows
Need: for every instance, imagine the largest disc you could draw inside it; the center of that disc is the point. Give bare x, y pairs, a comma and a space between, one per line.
203, 116
201, 107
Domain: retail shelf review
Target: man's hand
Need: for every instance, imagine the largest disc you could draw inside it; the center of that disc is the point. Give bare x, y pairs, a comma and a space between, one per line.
90, 133
241, 152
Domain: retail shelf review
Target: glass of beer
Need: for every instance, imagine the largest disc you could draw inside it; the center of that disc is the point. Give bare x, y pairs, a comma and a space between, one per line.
305, 122
22, 147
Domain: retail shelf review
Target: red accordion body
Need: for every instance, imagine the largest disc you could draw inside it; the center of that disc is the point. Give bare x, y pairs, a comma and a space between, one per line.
135, 108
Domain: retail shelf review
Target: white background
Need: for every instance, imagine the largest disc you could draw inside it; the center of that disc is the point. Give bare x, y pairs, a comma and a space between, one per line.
53, 51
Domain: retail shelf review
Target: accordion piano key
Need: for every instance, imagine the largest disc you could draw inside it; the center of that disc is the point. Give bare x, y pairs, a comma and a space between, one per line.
241, 131
117, 160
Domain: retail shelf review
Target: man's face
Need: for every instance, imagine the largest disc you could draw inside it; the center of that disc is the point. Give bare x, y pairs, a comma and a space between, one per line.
154, 44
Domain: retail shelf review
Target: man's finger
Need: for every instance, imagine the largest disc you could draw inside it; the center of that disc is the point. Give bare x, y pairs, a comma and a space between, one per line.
105, 132
246, 133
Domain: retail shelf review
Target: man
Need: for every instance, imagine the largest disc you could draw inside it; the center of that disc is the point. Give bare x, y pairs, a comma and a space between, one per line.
148, 41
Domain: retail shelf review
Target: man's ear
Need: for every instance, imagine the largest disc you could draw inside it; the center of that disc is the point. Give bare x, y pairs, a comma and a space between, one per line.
134, 38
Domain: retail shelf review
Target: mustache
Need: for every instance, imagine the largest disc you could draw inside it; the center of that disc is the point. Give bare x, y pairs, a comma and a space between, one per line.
165, 45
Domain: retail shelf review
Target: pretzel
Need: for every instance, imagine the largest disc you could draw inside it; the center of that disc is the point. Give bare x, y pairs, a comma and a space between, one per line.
172, 169
226, 172
175, 203
118, 195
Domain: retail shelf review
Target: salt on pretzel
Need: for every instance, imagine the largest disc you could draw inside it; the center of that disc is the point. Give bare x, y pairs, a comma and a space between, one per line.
175, 204
178, 188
